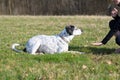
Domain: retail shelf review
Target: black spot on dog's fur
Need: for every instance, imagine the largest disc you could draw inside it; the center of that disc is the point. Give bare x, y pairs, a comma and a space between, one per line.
70, 29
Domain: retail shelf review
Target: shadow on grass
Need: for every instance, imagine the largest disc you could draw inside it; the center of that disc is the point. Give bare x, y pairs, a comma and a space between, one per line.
93, 50
71, 58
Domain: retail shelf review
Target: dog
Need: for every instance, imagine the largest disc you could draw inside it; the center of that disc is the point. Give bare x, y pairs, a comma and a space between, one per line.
50, 44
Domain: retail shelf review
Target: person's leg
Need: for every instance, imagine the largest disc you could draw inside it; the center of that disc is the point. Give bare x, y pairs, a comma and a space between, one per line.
117, 35
117, 41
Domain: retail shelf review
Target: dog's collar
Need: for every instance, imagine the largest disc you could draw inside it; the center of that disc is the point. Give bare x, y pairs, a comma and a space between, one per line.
64, 39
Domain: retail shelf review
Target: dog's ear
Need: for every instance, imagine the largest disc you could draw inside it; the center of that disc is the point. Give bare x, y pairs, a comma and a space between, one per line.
70, 29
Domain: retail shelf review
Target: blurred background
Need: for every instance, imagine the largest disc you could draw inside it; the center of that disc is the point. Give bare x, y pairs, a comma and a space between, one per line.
55, 7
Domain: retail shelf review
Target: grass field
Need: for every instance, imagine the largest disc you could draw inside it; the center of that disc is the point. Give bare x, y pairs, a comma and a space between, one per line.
98, 62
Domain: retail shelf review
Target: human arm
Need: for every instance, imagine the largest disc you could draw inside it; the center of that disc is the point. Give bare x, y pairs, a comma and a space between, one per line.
106, 39
108, 36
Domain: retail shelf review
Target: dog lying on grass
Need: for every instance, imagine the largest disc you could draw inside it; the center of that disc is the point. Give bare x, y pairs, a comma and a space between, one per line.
50, 44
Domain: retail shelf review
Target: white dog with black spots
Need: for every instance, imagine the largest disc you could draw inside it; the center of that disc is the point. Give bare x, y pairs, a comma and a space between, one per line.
50, 44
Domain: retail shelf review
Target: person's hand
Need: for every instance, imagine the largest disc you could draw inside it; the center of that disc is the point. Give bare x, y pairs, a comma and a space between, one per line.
114, 12
97, 44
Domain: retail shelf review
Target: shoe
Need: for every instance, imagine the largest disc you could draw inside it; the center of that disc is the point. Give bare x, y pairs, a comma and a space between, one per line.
117, 50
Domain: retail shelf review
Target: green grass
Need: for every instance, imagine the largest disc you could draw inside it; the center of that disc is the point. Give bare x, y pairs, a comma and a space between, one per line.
98, 63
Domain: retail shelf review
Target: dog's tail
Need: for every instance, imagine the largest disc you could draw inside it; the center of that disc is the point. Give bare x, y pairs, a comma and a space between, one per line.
14, 48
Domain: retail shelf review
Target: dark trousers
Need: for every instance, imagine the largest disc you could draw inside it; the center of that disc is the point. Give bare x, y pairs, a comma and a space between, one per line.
115, 25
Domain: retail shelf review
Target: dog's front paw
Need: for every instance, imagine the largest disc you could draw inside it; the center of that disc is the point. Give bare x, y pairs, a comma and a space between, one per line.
76, 52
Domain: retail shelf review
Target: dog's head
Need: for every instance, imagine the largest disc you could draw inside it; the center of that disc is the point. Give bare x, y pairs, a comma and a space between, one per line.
72, 30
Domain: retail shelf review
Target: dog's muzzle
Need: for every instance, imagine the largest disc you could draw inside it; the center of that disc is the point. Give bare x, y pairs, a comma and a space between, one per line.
77, 32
